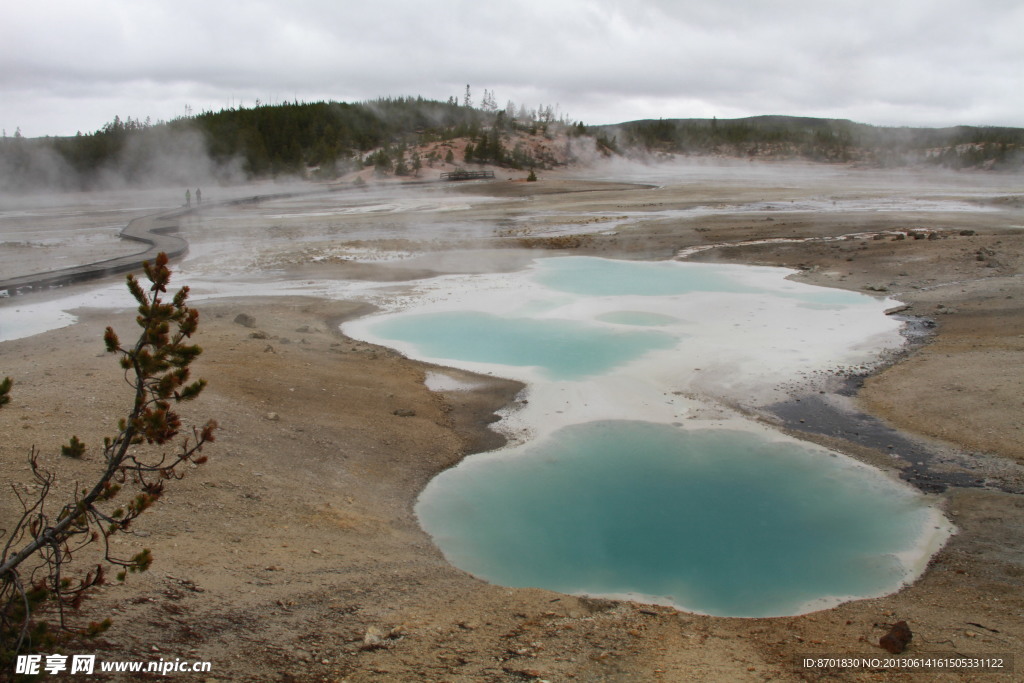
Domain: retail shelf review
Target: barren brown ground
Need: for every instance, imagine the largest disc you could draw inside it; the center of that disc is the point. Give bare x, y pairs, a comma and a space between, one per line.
294, 554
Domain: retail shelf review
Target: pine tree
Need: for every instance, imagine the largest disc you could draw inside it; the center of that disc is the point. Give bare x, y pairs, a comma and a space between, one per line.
37, 551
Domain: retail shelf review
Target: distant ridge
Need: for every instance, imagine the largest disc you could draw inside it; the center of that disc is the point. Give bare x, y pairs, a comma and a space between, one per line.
828, 140
401, 136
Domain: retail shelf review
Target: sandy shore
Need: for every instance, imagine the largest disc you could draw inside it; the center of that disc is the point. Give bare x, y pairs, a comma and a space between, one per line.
294, 553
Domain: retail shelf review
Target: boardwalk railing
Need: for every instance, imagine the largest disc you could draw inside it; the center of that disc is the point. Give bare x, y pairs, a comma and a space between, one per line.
467, 175
156, 230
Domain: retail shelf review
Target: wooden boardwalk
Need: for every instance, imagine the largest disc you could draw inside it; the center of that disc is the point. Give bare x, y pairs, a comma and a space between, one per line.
156, 230
467, 175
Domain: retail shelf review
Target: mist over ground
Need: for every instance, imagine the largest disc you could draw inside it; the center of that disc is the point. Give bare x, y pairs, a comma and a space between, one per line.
119, 157
413, 139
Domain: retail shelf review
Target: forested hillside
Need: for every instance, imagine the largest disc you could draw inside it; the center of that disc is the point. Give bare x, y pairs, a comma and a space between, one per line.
405, 136
320, 140
829, 140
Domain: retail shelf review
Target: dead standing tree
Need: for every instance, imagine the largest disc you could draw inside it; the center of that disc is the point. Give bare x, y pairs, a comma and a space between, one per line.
36, 552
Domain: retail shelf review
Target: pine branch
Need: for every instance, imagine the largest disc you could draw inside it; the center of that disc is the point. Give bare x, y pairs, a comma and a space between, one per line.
157, 370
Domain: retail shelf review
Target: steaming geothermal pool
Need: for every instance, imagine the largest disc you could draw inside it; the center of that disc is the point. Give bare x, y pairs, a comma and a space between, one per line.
625, 473
618, 482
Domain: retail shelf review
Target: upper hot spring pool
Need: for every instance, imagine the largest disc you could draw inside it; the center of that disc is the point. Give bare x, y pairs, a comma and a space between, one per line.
622, 478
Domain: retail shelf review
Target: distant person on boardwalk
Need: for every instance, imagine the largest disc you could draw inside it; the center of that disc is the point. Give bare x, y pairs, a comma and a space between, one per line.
188, 197
199, 196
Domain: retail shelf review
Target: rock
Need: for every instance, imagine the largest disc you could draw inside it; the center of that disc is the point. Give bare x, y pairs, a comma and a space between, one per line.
897, 639
258, 335
376, 639
273, 417
404, 412
373, 639
245, 320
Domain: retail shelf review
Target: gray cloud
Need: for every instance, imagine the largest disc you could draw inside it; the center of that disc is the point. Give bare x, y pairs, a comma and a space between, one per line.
71, 66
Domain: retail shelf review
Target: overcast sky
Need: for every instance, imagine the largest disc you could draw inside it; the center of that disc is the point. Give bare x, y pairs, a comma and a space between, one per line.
69, 65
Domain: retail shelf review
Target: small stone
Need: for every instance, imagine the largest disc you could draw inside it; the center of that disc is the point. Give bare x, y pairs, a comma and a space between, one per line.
373, 639
897, 639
